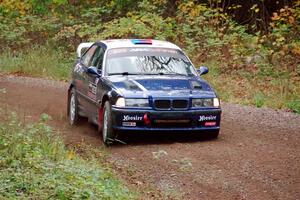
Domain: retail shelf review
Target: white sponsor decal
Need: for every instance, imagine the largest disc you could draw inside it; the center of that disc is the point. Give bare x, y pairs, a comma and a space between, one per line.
206, 118
129, 123
139, 49
132, 118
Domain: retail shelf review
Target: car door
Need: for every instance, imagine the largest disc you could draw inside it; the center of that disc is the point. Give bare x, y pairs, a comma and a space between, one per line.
94, 80
83, 79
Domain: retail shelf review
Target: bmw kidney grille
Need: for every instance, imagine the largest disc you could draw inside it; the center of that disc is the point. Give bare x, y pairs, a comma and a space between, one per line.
178, 104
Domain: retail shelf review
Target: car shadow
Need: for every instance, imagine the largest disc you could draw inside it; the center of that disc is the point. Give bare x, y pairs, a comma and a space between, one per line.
137, 139
146, 138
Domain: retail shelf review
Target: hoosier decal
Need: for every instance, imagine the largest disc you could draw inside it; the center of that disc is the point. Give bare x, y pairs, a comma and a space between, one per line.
132, 118
207, 118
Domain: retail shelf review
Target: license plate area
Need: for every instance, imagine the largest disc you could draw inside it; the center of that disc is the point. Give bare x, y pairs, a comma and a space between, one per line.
171, 123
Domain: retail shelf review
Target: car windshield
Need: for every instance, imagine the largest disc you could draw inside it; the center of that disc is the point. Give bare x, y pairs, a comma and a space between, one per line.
148, 61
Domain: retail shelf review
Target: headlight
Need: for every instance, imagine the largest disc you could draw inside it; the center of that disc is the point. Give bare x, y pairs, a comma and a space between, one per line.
137, 102
197, 103
122, 102
205, 102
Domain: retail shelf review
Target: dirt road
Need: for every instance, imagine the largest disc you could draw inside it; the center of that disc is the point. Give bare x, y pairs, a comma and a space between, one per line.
257, 155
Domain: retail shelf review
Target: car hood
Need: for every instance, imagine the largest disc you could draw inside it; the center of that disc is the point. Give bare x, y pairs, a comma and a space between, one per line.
161, 86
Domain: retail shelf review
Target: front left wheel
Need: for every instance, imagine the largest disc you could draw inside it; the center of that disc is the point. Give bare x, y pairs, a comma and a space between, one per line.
74, 117
108, 134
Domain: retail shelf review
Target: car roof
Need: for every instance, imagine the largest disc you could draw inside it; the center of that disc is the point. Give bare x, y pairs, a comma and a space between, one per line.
119, 43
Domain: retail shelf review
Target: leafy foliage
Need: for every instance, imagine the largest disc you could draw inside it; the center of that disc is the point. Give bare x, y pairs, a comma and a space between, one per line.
256, 38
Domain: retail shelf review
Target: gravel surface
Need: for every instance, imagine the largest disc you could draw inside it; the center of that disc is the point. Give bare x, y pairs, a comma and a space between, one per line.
257, 155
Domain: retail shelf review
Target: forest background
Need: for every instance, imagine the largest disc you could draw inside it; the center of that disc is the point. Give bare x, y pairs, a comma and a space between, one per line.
252, 47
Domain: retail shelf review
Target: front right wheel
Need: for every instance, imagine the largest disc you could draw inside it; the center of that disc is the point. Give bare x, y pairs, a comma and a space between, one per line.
108, 134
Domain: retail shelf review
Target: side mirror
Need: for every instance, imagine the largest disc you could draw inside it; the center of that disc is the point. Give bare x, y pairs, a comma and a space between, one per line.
202, 70
93, 70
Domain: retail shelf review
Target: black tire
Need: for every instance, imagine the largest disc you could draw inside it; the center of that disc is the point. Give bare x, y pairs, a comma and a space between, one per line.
108, 134
73, 115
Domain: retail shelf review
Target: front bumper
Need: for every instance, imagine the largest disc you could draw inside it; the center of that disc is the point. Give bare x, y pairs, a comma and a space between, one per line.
125, 119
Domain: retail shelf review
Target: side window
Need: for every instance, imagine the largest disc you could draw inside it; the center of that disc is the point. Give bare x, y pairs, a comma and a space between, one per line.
86, 58
101, 56
98, 58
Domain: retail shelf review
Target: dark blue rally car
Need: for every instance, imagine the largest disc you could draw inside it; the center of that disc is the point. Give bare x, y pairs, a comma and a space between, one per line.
141, 85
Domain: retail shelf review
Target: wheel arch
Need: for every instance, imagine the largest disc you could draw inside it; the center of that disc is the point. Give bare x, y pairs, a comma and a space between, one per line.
106, 97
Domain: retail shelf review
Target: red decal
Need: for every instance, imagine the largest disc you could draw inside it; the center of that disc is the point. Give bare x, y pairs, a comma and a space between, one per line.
146, 119
91, 95
210, 123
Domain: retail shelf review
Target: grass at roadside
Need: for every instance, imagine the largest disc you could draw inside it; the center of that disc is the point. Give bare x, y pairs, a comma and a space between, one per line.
39, 61
34, 164
246, 88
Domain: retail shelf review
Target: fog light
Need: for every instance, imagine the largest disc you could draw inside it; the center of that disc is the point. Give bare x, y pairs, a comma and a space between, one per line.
216, 102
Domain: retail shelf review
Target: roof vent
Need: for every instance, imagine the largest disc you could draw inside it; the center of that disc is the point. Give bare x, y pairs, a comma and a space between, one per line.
139, 41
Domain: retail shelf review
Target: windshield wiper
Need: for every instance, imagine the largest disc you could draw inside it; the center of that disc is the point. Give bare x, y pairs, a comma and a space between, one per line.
159, 73
127, 73
162, 73
122, 73
174, 73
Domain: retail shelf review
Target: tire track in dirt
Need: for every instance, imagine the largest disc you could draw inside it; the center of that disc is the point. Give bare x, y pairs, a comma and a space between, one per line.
257, 155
